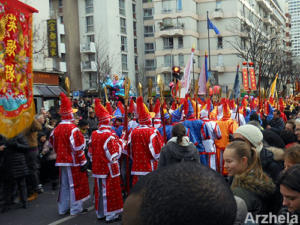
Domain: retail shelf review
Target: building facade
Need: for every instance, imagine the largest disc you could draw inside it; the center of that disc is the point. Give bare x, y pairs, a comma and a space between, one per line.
141, 39
294, 11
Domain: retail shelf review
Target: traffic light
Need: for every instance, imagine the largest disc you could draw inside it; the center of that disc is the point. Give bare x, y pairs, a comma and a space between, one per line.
176, 72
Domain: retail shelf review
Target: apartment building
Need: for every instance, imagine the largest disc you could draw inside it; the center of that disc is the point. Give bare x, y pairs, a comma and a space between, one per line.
111, 30
141, 39
101, 37
172, 27
294, 11
170, 31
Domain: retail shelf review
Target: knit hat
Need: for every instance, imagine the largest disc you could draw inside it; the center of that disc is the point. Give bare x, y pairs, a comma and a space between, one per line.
252, 134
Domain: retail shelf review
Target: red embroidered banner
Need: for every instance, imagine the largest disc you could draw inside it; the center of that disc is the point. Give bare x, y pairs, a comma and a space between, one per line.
252, 78
245, 78
16, 95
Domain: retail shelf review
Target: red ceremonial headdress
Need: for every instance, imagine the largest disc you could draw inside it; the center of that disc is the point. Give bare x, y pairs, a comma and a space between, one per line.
65, 110
157, 108
101, 112
132, 106
144, 116
226, 109
109, 108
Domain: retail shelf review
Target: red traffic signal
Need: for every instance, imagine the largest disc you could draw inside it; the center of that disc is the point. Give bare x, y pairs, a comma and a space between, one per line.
176, 69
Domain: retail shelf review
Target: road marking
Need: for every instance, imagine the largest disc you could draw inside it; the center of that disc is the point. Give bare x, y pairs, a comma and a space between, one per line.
68, 217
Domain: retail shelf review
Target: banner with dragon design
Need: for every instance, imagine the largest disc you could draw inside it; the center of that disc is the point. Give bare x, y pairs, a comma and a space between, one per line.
16, 78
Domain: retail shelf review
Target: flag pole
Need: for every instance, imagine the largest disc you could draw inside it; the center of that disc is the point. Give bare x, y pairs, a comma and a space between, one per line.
209, 67
259, 80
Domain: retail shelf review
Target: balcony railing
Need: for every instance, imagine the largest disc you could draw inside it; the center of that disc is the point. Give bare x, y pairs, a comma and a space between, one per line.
150, 68
89, 66
218, 14
265, 5
168, 26
163, 11
88, 48
168, 46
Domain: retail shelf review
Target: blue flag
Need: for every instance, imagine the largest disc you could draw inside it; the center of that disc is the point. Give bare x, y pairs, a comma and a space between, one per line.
210, 25
236, 86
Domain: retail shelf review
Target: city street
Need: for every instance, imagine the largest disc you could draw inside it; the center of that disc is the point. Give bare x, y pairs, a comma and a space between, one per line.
43, 211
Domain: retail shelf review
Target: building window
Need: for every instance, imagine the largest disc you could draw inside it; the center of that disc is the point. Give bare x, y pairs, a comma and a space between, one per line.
148, 31
181, 60
145, 1
134, 28
60, 3
93, 80
148, 14
89, 6
63, 57
91, 57
168, 43
123, 43
167, 78
243, 43
167, 60
220, 60
166, 6
62, 38
180, 42
61, 19
149, 48
135, 60
89, 24
135, 45
123, 25
218, 5
124, 62
220, 42
150, 65
134, 11
122, 7
91, 38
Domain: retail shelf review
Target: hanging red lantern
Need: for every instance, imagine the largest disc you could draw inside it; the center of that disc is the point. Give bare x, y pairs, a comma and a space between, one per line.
210, 91
216, 89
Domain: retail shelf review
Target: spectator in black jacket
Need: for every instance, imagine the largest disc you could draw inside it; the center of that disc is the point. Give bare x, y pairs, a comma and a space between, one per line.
178, 149
15, 170
277, 122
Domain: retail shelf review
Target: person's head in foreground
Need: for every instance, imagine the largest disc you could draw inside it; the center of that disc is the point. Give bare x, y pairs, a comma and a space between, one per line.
240, 158
289, 182
292, 156
183, 193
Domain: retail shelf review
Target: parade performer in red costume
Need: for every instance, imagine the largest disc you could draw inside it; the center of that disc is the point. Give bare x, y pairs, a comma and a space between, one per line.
105, 149
145, 144
68, 143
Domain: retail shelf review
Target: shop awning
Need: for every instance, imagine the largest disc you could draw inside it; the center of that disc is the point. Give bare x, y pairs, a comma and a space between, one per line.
47, 91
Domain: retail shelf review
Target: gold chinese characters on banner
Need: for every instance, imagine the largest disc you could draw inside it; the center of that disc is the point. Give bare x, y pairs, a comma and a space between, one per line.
16, 95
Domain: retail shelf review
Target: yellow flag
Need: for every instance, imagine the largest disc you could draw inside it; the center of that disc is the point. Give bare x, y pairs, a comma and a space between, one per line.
273, 87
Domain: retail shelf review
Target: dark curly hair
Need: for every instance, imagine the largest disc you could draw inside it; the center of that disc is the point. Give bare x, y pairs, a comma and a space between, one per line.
185, 193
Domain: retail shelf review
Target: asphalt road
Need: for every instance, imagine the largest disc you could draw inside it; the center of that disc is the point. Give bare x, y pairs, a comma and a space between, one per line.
43, 211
